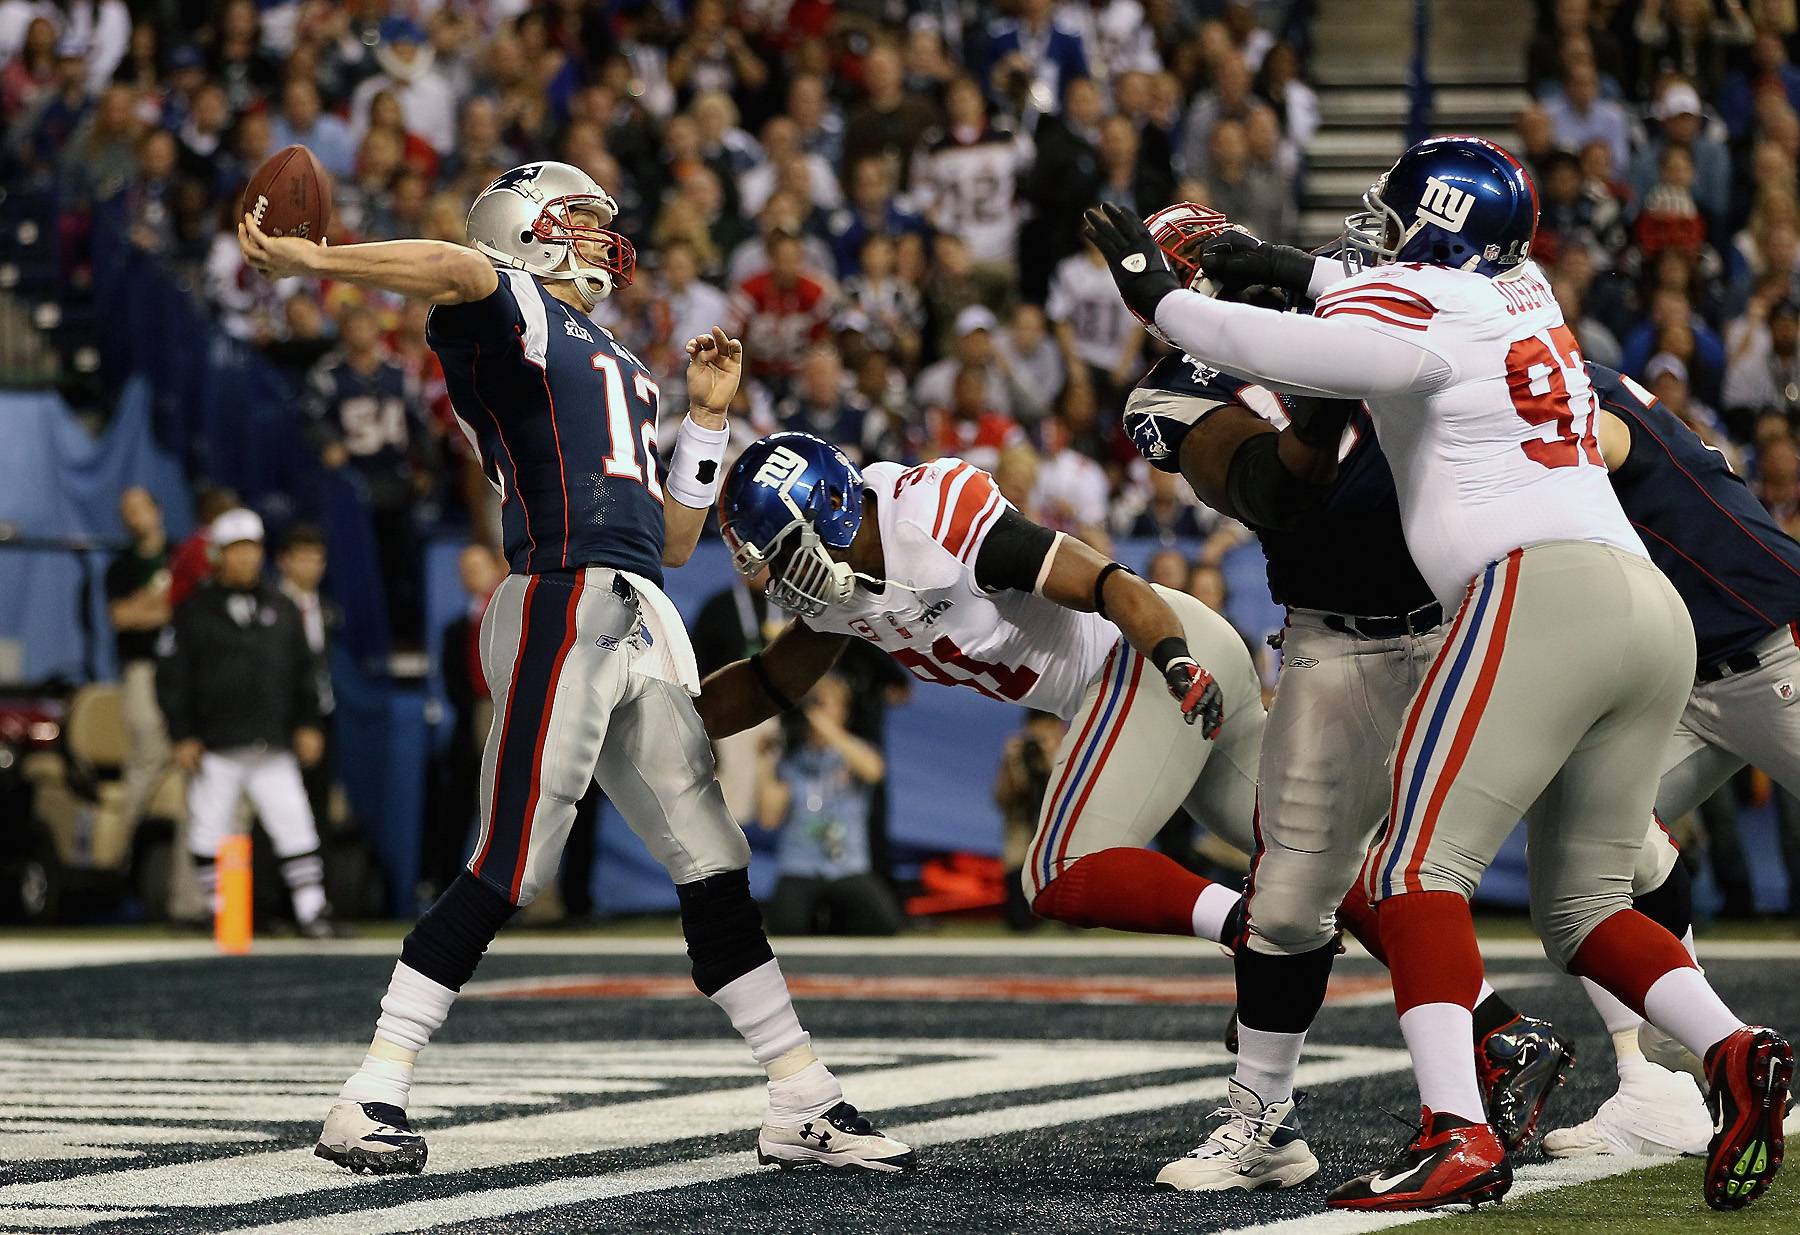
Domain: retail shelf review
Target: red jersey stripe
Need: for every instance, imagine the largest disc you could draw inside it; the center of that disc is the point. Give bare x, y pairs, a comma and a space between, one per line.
1394, 288
976, 491
1357, 311
945, 485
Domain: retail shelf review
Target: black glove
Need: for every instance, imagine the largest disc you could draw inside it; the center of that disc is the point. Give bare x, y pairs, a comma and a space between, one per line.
1133, 256
1236, 259
1320, 421
1197, 693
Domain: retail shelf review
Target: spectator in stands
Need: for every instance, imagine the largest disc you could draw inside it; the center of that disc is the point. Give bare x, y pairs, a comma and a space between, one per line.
1690, 38
304, 122
1064, 180
818, 796
973, 350
238, 689
1167, 515
1681, 125
1768, 70
1130, 176
137, 602
1247, 191
966, 177
31, 74
1570, 280
1762, 369
1229, 99
970, 427
364, 416
238, 61
1032, 59
409, 72
1670, 308
874, 209
892, 310
692, 305
444, 844
824, 404
890, 122
780, 313
1167, 567
820, 122
1019, 788
1033, 362
1072, 491
1281, 82
192, 561
1100, 338
1581, 115
714, 55
1776, 480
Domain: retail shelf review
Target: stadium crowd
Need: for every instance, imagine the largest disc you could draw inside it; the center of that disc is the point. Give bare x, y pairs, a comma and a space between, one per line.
882, 198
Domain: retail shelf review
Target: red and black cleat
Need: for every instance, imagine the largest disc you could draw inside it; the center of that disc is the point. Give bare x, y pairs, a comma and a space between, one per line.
1450, 1162
1748, 1078
1521, 1065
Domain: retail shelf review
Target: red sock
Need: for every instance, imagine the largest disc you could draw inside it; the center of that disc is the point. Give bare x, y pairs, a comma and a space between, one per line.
1626, 954
1429, 938
1357, 916
1126, 889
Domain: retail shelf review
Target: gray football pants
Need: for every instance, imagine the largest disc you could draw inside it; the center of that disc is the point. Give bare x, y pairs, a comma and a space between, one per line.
570, 666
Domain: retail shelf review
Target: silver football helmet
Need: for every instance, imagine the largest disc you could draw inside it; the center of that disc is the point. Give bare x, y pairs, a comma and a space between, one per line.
522, 221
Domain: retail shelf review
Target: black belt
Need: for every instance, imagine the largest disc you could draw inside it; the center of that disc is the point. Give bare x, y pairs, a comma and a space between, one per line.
1426, 618
1741, 662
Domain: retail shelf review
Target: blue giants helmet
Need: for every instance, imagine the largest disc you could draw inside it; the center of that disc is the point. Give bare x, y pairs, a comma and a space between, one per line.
1450, 201
793, 491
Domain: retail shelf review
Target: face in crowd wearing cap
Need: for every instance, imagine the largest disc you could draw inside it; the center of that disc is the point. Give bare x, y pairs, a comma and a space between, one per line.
237, 540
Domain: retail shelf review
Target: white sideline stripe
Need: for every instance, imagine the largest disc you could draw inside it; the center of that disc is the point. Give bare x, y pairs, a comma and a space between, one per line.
1530, 1180
21, 953
501, 1202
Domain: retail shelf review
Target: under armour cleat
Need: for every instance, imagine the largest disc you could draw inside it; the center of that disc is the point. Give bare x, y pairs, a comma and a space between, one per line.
1521, 1064
1450, 1162
1656, 1113
840, 1138
371, 1138
1256, 1148
1749, 1074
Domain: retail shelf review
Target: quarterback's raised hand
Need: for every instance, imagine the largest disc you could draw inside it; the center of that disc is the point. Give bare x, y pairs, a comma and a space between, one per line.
1237, 259
715, 362
1136, 261
1198, 694
275, 257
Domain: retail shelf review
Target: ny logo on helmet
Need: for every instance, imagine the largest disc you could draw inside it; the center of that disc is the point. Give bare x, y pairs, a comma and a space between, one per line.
1445, 205
780, 469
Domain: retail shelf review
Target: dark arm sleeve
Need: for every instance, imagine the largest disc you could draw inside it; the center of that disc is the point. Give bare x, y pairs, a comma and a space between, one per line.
1012, 553
1263, 491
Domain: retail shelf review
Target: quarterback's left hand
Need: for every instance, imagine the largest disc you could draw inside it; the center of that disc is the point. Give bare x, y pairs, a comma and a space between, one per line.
1136, 261
715, 362
1198, 694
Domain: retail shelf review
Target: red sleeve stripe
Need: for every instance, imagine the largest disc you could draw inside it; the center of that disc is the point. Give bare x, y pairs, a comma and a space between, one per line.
990, 514
946, 483
1392, 304
1405, 293
1369, 311
976, 492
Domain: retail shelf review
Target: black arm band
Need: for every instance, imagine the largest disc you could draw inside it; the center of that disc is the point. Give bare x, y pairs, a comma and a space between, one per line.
768, 684
1100, 584
1167, 650
1261, 489
1290, 269
1012, 553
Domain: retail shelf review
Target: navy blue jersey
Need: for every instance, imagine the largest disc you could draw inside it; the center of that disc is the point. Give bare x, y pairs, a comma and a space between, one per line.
1348, 555
369, 414
1737, 571
564, 418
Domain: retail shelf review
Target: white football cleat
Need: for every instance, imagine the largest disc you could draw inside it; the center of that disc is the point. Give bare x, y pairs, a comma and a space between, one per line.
1657, 1113
1659, 1048
841, 1137
1256, 1148
371, 1137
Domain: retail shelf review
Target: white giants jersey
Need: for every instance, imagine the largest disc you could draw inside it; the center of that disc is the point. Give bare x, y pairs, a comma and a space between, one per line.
1499, 453
934, 619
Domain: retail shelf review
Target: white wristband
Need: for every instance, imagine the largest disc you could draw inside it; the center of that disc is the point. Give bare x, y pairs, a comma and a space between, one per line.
696, 468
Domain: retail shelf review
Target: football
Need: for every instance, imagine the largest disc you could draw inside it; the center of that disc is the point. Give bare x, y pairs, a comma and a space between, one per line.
290, 195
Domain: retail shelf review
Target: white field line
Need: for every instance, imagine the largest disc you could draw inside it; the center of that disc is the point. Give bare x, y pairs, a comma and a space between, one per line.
18, 954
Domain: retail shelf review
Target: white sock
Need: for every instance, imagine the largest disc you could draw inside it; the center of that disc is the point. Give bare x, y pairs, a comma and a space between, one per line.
1266, 1062
1617, 1016
1482, 995
762, 1011
1211, 909
1687, 941
305, 879
1437, 1036
1683, 1004
411, 1011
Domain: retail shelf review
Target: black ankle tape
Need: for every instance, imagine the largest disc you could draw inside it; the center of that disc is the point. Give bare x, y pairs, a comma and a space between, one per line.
450, 940
724, 929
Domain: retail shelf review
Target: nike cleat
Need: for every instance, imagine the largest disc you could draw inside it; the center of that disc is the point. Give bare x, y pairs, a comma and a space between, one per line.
1256, 1148
371, 1138
840, 1138
1749, 1075
1656, 1113
1521, 1065
1450, 1162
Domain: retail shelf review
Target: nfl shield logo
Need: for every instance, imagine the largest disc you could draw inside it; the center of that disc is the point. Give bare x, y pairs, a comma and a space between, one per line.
1785, 690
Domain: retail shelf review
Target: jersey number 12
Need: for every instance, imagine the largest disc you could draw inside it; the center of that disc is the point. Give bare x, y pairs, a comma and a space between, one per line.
622, 460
